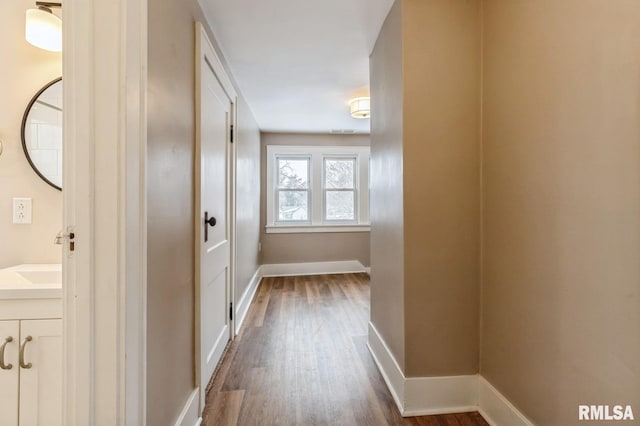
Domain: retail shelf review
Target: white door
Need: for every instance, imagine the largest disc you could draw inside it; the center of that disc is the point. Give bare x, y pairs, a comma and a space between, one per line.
213, 153
41, 372
9, 372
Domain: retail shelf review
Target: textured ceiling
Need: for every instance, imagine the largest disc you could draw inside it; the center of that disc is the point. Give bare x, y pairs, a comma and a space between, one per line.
298, 62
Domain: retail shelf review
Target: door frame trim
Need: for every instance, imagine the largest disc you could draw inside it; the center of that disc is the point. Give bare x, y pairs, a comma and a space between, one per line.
206, 52
104, 203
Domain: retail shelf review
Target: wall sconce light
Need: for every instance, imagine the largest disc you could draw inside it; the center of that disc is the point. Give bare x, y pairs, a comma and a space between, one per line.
360, 107
43, 29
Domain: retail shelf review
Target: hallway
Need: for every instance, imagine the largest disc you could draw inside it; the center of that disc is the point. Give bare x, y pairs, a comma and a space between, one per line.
301, 358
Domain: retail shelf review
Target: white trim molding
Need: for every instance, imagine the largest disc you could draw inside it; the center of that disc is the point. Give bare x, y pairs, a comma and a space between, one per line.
104, 205
311, 268
417, 396
189, 414
437, 395
287, 229
388, 366
242, 306
422, 395
496, 409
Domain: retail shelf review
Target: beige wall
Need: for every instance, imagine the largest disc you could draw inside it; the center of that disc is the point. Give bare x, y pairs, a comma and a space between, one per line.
560, 196
310, 247
24, 69
441, 64
171, 132
247, 199
425, 185
386, 186
170, 295
561, 176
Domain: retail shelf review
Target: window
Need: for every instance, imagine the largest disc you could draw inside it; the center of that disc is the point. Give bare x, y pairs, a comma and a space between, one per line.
317, 189
292, 191
339, 189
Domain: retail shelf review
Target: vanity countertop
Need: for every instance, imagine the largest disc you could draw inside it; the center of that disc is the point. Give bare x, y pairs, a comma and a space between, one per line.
31, 281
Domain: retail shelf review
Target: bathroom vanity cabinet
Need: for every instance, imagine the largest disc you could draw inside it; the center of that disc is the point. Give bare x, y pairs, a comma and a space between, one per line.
30, 353
30, 389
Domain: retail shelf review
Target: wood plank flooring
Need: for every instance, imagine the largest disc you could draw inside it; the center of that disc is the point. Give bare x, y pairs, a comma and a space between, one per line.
301, 359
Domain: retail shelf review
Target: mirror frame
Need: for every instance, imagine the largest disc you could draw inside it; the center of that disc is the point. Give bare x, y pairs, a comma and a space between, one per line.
22, 131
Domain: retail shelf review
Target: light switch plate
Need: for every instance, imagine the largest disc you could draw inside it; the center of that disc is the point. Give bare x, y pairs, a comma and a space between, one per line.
22, 210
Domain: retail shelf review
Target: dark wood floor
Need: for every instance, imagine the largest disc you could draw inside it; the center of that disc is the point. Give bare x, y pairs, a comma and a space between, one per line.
301, 359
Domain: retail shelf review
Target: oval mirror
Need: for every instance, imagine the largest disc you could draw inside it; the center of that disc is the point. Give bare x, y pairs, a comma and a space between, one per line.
42, 133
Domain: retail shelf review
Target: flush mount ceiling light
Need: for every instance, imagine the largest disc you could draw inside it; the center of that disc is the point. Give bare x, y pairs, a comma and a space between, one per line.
360, 107
43, 29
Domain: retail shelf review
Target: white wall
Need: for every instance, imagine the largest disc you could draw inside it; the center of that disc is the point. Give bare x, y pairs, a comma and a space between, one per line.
24, 69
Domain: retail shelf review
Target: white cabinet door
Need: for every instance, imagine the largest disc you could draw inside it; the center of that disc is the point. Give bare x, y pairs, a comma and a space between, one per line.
41, 382
9, 373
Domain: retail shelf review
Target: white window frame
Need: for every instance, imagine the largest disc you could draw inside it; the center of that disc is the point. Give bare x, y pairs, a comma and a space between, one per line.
317, 191
355, 190
277, 189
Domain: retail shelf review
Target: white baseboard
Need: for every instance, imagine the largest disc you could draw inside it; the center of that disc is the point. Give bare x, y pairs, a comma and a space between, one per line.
311, 268
189, 415
242, 306
496, 409
388, 366
422, 395
440, 395
367, 269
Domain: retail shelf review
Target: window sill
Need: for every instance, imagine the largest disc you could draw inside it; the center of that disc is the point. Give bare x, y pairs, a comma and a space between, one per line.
303, 229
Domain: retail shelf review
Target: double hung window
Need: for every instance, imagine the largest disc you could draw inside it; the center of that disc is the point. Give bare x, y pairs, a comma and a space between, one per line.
317, 188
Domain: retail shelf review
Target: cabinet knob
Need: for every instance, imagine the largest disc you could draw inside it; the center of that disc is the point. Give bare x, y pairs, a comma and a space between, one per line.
22, 347
4, 366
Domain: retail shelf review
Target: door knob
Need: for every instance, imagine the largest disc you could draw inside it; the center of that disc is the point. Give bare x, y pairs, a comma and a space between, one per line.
208, 221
